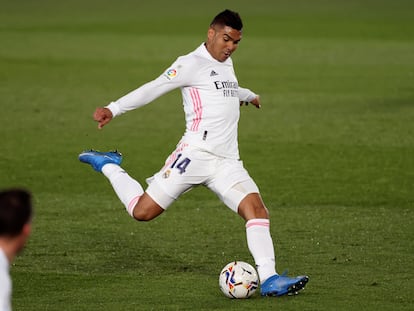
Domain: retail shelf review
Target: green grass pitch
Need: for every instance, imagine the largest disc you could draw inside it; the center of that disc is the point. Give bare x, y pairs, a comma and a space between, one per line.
332, 150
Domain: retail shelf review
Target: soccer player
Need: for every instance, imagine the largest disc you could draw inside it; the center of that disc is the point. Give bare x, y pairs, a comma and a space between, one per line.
15, 228
207, 153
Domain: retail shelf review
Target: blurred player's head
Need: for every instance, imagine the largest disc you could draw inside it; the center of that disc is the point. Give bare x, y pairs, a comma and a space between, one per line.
15, 220
224, 35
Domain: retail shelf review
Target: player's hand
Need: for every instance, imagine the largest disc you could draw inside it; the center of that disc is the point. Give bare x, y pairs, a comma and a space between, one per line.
102, 116
255, 102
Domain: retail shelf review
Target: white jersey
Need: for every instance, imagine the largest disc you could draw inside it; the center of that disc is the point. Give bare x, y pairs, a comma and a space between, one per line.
211, 99
5, 283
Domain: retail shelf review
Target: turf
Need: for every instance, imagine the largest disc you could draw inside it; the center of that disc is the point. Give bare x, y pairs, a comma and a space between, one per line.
332, 151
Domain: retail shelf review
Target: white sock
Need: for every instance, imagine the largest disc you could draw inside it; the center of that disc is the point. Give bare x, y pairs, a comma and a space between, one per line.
127, 189
261, 247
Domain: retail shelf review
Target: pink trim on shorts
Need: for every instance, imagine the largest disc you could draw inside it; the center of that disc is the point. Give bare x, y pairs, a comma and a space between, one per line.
131, 205
258, 222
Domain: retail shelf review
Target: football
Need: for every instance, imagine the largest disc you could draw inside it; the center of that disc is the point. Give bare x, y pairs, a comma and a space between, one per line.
238, 279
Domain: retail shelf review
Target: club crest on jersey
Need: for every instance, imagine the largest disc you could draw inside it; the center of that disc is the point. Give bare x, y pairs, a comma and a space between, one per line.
166, 174
170, 73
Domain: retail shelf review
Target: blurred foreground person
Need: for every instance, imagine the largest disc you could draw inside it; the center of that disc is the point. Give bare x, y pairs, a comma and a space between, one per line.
15, 228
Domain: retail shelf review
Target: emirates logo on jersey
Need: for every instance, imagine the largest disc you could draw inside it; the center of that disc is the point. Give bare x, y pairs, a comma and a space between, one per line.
229, 88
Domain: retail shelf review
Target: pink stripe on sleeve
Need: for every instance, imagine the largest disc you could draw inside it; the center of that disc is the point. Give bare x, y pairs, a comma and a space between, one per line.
197, 107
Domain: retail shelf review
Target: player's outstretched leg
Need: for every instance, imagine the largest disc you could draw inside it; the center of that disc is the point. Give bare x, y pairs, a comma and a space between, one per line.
98, 159
128, 190
279, 285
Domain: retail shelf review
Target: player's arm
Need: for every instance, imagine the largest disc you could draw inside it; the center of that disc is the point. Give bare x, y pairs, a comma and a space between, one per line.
140, 97
133, 100
246, 96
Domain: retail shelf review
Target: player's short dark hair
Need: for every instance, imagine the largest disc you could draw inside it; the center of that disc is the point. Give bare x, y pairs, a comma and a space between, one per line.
15, 211
228, 18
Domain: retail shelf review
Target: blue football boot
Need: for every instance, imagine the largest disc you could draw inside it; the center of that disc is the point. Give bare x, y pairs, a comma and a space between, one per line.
98, 159
279, 285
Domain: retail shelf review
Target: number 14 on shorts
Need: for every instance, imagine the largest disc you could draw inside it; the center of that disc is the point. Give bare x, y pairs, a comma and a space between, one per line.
180, 164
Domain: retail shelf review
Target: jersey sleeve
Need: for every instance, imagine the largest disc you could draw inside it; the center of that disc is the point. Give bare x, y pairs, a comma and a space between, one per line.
245, 95
176, 76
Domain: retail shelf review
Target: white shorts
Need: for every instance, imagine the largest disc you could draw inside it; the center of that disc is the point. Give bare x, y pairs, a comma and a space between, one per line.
187, 167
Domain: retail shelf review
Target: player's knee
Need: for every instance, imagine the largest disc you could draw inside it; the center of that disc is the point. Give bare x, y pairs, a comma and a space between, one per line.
146, 213
252, 206
142, 216
259, 210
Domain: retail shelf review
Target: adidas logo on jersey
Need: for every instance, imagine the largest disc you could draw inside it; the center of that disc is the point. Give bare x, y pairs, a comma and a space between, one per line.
213, 73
